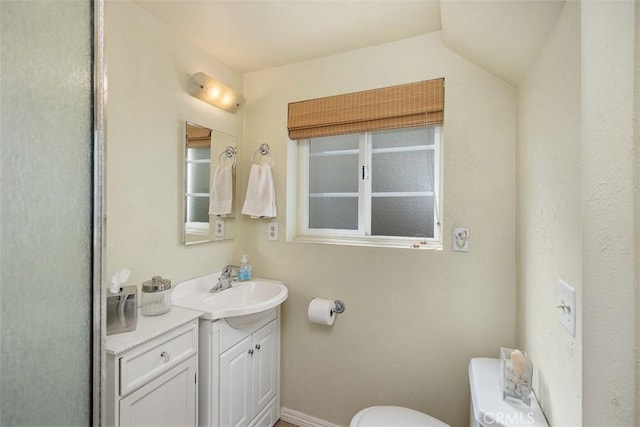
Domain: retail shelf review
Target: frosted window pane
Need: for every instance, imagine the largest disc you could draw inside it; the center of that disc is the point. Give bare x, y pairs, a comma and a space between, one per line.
404, 137
332, 143
404, 171
335, 174
331, 170
202, 153
402, 216
199, 175
333, 212
46, 218
198, 209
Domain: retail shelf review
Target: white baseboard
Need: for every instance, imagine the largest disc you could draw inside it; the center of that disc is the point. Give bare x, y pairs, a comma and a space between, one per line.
303, 420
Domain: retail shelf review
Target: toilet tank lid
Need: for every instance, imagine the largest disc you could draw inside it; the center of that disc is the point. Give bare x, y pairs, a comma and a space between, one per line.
376, 416
487, 403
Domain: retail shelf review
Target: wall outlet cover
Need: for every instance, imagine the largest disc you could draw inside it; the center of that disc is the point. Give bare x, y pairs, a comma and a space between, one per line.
567, 306
273, 231
219, 228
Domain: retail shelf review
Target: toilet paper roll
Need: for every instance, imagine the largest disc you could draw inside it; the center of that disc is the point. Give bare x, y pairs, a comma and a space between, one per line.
321, 312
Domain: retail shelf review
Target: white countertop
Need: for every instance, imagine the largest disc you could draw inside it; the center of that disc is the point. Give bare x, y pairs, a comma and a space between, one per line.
148, 327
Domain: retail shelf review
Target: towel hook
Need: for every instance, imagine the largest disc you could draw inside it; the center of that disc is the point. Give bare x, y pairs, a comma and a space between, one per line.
229, 152
263, 150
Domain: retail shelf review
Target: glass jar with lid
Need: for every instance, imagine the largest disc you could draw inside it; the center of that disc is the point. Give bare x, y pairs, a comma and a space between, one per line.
156, 296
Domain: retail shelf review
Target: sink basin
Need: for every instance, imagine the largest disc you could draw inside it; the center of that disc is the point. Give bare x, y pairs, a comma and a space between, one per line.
254, 297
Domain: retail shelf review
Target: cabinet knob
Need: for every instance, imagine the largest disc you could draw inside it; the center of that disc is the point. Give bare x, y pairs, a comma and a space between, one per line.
257, 346
250, 351
165, 356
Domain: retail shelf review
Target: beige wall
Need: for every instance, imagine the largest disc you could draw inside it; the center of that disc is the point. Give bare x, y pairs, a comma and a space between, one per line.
549, 212
609, 303
576, 204
637, 203
413, 318
148, 68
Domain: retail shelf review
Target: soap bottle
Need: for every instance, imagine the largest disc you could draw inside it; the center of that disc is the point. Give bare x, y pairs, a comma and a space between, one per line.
244, 272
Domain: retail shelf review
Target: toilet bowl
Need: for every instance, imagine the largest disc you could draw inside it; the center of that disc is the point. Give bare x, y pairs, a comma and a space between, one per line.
396, 416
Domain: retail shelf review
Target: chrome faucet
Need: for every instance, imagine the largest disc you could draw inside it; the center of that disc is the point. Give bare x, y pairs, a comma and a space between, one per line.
226, 279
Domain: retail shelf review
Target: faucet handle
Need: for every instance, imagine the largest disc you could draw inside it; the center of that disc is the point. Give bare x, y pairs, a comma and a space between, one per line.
227, 270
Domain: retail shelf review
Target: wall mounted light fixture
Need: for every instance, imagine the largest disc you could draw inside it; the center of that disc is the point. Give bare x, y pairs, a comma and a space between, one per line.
213, 92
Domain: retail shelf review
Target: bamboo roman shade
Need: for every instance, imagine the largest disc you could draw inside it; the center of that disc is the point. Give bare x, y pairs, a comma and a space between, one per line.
198, 137
407, 105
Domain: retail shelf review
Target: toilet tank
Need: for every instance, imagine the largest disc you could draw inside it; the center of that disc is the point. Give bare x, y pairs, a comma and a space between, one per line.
487, 407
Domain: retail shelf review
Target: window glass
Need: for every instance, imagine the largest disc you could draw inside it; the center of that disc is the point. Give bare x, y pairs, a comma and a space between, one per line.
333, 174
404, 137
199, 175
402, 216
199, 153
401, 172
339, 213
197, 209
373, 185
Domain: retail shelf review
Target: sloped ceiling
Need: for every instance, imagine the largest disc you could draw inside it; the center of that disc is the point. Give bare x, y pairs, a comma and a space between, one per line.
254, 35
501, 36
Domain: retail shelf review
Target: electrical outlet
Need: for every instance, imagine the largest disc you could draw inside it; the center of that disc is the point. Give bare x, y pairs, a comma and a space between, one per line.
219, 228
273, 230
567, 306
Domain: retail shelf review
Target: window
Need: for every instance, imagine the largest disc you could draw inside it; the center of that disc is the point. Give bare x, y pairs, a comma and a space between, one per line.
198, 164
378, 188
369, 166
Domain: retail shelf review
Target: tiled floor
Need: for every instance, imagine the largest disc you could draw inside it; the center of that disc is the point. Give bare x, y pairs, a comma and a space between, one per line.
281, 423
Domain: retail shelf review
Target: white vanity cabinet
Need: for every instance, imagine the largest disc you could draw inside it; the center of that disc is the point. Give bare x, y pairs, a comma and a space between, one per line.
152, 373
240, 372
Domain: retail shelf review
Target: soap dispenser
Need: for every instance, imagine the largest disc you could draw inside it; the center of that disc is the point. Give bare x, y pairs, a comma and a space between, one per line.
244, 272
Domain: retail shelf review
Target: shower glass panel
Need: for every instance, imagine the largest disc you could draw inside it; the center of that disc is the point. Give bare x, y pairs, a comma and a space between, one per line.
46, 132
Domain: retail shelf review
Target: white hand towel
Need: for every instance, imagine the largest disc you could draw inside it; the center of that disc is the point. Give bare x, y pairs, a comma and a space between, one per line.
260, 201
221, 191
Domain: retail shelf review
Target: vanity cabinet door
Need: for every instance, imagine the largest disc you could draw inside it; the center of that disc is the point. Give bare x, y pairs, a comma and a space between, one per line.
168, 400
235, 384
265, 364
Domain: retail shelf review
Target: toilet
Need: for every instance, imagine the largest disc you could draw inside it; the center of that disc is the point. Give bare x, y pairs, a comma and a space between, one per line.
396, 416
486, 406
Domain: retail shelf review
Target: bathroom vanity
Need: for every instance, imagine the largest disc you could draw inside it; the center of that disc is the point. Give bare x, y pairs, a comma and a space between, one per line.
152, 372
213, 360
239, 371
239, 350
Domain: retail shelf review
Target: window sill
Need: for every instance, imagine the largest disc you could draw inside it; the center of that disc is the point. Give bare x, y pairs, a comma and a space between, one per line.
372, 241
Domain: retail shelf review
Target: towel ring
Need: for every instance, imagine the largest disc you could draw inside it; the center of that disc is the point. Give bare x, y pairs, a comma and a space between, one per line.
263, 150
229, 152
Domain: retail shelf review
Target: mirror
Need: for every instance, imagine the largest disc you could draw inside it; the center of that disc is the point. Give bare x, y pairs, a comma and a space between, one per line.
209, 185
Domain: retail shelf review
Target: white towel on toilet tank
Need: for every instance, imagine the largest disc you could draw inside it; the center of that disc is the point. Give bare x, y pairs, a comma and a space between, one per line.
260, 201
221, 198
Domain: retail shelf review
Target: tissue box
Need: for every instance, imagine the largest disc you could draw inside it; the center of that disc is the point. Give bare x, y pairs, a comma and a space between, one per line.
122, 313
515, 383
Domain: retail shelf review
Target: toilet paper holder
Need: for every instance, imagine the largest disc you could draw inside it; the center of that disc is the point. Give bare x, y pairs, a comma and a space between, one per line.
338, 307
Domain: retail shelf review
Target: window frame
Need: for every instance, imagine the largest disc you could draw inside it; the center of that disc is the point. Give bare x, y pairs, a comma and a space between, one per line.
365, 196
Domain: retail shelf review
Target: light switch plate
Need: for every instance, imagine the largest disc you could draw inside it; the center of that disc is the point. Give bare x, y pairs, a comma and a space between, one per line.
567, 306
219, 228
273, 229
461, 239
